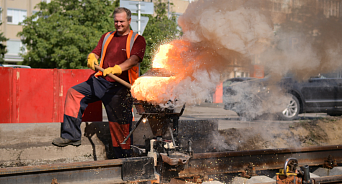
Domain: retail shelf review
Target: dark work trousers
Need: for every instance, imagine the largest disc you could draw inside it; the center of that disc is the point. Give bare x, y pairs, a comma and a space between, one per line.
117, 101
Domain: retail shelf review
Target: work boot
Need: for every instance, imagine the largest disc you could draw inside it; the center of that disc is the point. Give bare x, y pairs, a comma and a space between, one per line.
61, 142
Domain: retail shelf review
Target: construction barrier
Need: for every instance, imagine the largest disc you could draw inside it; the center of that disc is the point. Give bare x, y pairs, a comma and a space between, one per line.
217, 97
258, 71
38, 95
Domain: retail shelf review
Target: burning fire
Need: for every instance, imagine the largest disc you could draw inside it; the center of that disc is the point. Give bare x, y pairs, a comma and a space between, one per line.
161, 56
149, 88
156, 89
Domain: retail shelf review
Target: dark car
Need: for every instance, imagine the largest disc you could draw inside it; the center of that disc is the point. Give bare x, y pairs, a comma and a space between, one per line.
285, 98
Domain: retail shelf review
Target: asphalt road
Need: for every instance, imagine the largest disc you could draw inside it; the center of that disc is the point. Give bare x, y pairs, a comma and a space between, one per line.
227, 119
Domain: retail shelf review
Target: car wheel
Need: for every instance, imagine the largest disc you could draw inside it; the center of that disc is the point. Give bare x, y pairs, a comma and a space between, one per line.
292, 110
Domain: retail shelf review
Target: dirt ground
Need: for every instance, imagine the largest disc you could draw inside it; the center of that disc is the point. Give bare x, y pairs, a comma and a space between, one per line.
36, 149
305, 133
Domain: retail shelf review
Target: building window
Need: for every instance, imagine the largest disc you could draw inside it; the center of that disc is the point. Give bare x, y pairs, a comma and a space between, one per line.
13, 47
34, 12
9, 19
15, 16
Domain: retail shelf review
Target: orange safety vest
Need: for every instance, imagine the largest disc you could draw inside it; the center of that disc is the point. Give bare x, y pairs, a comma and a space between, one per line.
133, 73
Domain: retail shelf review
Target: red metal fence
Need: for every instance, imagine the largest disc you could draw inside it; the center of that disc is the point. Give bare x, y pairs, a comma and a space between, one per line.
38, 95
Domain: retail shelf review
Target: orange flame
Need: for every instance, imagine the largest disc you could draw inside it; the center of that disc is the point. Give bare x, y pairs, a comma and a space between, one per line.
161, 56
154, 89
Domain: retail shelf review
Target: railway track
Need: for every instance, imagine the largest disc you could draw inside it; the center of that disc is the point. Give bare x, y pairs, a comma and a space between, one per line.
200, 167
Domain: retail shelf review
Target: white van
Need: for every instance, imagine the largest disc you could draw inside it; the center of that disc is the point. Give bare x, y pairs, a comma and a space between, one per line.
14, 66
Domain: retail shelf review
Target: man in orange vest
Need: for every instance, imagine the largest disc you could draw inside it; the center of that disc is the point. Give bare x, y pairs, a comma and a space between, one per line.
120, 52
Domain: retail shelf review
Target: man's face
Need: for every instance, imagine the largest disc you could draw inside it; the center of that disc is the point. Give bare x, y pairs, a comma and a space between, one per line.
121, 23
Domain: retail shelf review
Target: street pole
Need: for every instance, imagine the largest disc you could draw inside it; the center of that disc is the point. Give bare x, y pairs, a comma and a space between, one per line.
168, 9
139, 17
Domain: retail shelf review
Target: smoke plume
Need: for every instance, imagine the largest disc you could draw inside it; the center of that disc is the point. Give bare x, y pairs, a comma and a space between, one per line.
219, 35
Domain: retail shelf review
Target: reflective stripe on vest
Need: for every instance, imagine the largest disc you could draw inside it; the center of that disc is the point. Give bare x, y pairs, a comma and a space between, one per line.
133, 73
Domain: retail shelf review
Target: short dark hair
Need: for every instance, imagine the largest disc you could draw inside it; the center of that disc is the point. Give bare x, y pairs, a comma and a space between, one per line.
122, 9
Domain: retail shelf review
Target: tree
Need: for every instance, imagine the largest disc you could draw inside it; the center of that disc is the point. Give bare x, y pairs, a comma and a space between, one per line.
159, 29
64, 32
2, 46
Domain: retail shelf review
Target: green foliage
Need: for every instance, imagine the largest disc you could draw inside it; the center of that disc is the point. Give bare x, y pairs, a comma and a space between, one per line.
64, 32
2, 46
159, 30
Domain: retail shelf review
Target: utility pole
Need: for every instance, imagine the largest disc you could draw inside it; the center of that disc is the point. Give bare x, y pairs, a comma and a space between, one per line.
139, 18
168, 9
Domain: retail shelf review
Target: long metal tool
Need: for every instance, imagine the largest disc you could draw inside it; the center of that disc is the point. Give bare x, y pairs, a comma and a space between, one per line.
133, 129
116, 78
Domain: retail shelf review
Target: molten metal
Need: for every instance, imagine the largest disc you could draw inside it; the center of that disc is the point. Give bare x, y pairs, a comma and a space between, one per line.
148, 88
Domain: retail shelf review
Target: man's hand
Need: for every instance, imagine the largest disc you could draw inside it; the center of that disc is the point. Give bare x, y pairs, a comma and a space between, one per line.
91, 61
116, 70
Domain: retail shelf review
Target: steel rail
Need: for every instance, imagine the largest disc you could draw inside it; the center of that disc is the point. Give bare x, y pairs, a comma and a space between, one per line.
239, 161
142, 169
328, 179
323, 179
61, 167
105, 171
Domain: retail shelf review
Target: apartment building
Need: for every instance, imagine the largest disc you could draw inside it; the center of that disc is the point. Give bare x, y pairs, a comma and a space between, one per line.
15, 11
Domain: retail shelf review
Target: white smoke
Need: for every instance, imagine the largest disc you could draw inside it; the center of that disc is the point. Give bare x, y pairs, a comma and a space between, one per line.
222, 34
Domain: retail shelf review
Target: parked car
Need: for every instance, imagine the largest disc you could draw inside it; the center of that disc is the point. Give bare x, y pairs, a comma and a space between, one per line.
14, 66
319, 94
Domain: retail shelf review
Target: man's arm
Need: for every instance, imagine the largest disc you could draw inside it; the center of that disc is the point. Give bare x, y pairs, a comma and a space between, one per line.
129, 63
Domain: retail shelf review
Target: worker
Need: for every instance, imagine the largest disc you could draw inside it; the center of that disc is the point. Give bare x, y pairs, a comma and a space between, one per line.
120, 51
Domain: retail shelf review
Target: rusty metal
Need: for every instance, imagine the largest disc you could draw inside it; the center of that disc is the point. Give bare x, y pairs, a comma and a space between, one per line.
59, 167
330, 162
291, 165
249, 171
195, 179
159, 118
199, 166
320, 180
290, 173
175, 158
237, 161
54, 181
306, 175
83, 172
288, 179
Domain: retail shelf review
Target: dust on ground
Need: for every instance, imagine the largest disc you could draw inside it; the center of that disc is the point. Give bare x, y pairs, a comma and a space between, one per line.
305, 133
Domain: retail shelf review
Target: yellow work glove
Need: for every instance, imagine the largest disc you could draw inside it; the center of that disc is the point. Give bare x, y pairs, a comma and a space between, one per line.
91, 61
116, 70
